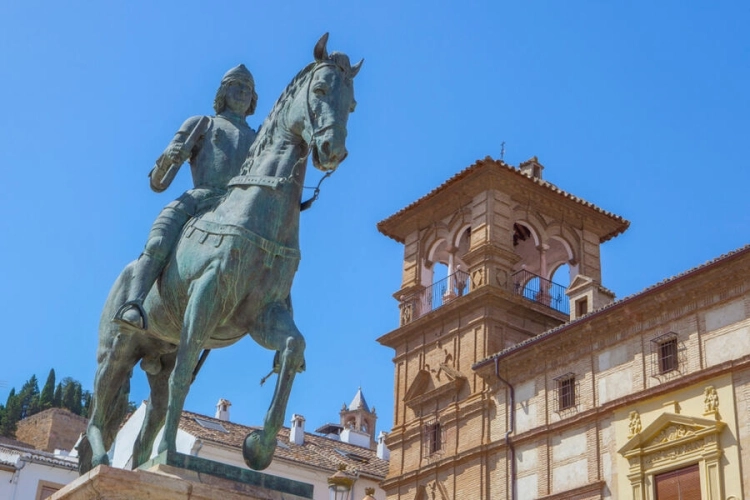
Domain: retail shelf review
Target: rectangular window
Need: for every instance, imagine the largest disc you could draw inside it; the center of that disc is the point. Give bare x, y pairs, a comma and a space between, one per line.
665, 351
433, 438
566, 391
582, 307
668, 356
46, 489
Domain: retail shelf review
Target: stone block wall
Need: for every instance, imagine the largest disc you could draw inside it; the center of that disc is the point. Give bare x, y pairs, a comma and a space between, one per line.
51, 429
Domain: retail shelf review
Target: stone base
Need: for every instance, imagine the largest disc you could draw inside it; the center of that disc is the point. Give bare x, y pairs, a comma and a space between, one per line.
167, 479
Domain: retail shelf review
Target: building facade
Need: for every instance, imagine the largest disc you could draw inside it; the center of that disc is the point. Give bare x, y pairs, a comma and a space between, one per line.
299, 455
509, 385
29, 474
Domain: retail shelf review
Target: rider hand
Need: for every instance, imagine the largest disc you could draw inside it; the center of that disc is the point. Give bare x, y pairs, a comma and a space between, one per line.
172, 156
175, 154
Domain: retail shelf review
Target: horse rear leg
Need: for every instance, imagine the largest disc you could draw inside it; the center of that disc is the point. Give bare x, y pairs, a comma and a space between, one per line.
116, 357
201, 317
156, 410
282, 335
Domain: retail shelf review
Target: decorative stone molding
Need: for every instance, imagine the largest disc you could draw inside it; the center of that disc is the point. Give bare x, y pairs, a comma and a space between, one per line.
501, 277
477, 278
433, 490
423, 389
673, 441
407, 312
711, 402
634, 426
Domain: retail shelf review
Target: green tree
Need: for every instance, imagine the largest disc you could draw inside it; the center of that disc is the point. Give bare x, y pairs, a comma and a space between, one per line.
11, 415
68, 393
29, 397
86, 404
57, 400
47, 397
77, 399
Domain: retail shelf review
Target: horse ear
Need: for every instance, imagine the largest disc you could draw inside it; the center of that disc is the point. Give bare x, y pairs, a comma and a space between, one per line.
320, 52
356, 68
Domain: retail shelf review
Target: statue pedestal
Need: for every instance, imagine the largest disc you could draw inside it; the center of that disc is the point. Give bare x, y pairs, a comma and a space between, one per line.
180, 477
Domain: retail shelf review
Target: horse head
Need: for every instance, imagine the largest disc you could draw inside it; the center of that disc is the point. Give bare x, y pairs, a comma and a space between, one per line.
329, 101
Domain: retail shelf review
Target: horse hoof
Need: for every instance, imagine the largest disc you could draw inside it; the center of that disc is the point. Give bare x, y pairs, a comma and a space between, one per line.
100, 460
257, 454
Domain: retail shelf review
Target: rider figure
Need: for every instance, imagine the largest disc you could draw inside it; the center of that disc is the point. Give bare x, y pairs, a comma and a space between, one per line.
216, 148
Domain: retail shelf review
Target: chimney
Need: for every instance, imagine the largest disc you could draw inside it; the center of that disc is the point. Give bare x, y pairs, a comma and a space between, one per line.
222, 410
297, 432
532, 168
383, 452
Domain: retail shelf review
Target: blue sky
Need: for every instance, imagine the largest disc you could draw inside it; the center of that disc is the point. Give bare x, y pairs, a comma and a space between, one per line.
641, 108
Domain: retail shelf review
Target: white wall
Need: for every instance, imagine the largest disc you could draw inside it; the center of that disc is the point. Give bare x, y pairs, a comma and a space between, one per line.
23, 484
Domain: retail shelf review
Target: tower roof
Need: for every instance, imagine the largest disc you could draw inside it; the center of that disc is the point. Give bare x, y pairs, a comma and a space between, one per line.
359, 403
496, 174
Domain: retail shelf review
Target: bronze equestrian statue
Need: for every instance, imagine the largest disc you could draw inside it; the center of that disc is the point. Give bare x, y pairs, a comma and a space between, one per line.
230, 274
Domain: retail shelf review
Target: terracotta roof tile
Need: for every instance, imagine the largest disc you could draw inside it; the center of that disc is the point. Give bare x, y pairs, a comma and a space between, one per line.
9, 455
317, 451
623, 224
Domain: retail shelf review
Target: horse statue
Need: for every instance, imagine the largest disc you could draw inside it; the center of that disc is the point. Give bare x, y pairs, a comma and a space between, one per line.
230, 275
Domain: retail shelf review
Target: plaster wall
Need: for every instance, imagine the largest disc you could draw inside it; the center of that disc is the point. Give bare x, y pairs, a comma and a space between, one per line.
615, 385
24, 484
569, 476
727, 345
527, 487
569, 444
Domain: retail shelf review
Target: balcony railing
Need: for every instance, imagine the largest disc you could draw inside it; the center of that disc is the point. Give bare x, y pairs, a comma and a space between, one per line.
535, 288
443, 291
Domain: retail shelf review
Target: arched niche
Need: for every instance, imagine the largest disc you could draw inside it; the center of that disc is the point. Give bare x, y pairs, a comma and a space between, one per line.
559, 252
525, 242
445, 247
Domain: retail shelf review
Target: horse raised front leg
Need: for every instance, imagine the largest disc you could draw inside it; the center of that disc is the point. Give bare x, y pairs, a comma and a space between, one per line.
282, 335
201, 317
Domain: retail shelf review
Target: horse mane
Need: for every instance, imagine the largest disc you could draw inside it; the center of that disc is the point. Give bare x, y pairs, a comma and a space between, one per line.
267, 129
265, 134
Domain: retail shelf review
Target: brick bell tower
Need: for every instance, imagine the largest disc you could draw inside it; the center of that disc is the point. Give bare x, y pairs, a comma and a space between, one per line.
479, 255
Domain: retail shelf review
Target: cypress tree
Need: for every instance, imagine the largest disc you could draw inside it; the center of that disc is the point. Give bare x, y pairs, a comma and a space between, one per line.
12, 415
86, 404
57, 400
77, 399
68, 394
29, 397
47, 397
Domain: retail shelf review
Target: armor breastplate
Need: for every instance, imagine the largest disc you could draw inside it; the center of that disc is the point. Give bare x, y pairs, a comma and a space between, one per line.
221, 153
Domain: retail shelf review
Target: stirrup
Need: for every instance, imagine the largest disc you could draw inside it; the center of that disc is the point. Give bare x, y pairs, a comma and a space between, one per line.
139, 307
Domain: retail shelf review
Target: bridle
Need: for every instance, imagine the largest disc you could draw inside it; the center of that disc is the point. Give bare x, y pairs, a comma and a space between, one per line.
315, 133
274, 182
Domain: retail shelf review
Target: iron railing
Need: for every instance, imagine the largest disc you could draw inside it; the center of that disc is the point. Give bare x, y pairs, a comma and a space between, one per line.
443, 291
542, 291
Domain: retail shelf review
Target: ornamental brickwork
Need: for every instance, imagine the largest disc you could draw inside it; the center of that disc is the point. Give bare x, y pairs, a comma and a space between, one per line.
502, 393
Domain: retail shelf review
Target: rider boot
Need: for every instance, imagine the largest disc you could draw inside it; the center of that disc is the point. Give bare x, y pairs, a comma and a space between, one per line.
148, 267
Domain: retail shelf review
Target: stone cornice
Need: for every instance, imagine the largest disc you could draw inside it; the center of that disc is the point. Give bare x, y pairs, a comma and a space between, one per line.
482, 297
588, 491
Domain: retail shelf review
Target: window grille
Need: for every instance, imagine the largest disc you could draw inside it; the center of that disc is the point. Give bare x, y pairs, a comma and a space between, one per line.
566, 389
433, 438
666, 354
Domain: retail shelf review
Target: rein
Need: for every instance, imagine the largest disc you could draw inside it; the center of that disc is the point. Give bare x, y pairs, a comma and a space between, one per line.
274, 182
